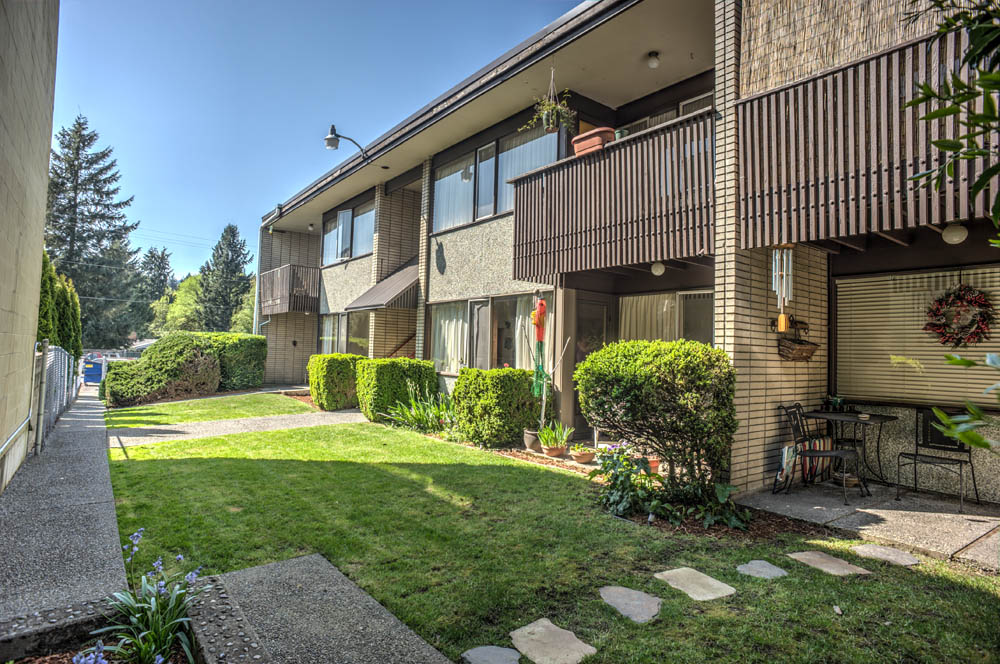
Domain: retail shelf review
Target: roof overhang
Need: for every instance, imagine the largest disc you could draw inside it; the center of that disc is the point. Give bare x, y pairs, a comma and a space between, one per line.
598, 50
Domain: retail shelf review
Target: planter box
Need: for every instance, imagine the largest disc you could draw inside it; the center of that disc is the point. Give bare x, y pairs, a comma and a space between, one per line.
593, 140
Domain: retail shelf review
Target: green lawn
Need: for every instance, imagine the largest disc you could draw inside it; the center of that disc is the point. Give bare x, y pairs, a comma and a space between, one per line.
465, 546
204, 410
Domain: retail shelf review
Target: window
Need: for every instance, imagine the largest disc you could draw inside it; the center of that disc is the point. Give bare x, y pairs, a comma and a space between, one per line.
667, 316
449, 330
454, 193
475, 186
329, 324
357, 332
697, 104
882, 352
514, 334
348, 233
363, 238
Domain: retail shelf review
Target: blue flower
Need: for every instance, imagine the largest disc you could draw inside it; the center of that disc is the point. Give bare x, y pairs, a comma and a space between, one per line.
158, 659
136, 536
180, 557
158, 564
161, 587
192, 576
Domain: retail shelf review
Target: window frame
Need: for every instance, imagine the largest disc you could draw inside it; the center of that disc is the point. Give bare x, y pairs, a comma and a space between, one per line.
333, 215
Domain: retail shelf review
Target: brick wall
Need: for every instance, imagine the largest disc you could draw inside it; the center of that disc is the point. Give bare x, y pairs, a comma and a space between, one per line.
397, 225
423, 252
287, 248
28, 33
393, 333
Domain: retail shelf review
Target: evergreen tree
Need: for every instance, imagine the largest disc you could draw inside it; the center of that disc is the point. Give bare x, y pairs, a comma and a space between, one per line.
155, 275
47, 326
64, 315
242, 320
223, 280
185, 312
87, 233
160, 309
74, 299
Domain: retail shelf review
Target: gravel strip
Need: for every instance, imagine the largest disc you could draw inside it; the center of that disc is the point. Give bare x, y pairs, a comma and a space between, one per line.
186, 430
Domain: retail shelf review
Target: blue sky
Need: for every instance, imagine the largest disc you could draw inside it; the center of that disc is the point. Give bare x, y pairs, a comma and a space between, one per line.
217, 109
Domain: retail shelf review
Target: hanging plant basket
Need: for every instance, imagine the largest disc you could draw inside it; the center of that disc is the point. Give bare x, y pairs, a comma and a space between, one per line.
552, 111
960, 317
796, 350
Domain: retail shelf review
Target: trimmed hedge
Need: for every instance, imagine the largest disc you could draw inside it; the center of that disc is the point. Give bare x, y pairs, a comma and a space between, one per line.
333, 380
673, 399
493, 407
180, 365
383, 382
241, 359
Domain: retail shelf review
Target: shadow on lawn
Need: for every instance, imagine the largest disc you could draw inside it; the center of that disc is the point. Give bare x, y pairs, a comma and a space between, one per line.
465, 553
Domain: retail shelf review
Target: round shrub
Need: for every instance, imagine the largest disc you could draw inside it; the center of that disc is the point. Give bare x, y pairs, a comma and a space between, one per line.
241, 359
672, 399
383, 383
124, 384
333, 380
493, 407
180, 365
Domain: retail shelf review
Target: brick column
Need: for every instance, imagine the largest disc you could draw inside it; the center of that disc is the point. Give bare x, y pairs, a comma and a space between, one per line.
423, 253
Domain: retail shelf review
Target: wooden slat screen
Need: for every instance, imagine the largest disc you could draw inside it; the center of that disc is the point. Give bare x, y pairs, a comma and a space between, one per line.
645, 198
289, 288
831, 156
882, 316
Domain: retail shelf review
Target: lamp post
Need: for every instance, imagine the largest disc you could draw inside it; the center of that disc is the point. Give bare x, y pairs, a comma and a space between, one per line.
332, 141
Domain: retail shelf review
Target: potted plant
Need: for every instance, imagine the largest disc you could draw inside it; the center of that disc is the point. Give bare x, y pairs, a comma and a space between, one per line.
582, 453
553, 111
554, 439
595, 139
531, 440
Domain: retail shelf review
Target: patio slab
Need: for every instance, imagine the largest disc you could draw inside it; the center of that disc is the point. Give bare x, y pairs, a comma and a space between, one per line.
491, 655
761, 569
984, 553
544, 643
697, 586
818, 503
635, 605
827, 563
885, 553
925, 524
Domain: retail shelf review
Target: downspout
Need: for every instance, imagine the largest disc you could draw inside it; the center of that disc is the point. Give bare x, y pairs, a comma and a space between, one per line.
267, 223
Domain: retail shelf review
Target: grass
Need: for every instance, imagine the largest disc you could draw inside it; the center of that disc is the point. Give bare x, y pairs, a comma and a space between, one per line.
465, 546
204, 410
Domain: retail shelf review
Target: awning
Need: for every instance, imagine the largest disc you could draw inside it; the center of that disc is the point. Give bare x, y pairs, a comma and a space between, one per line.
397, 291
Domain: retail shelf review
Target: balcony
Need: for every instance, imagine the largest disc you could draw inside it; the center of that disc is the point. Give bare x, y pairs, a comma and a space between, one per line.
289, 289
644, 198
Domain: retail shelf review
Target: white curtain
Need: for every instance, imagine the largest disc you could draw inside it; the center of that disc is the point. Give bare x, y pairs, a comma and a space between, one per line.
648, 317
328, 334
454, 191
521, 152
449, 334
364, 229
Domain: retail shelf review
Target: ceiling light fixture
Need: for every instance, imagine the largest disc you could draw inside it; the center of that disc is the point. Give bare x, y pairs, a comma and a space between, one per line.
311, 228
653, 59
658, 269
954, 233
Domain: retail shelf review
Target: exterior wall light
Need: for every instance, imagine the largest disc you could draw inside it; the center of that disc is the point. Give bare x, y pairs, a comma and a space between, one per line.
954, 233
332, 141
653, 59
658, 269
311, 227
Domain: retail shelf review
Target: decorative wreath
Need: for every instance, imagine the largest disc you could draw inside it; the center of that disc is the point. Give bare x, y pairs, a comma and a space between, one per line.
962, 316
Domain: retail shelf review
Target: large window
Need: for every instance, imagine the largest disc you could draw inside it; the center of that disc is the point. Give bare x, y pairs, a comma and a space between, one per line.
449, 331
344, 333
882, 352
474, 186
666, 316
357, 332
329, 325
348, 233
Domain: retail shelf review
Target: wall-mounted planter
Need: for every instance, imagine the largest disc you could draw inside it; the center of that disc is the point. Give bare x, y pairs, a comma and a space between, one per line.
796, 350
592, 140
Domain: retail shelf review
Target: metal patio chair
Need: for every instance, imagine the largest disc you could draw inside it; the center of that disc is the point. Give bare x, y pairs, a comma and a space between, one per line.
803, 440
929, 442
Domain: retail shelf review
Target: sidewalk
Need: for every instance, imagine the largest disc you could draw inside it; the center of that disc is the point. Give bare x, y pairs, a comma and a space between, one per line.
57, 519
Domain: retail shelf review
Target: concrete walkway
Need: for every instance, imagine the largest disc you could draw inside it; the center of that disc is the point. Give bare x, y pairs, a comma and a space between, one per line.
58, 532
186, 430
919, 522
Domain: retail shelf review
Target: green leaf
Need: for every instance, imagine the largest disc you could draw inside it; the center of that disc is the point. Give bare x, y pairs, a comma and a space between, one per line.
984, 179
947, 144
959, 361
942, 113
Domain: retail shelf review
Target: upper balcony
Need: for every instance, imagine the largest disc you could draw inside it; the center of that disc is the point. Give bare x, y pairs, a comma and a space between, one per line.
289, 289
643, 198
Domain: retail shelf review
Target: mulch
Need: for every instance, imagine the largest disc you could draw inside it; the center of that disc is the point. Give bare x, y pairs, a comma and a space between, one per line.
304, 398
763, 526
56, 658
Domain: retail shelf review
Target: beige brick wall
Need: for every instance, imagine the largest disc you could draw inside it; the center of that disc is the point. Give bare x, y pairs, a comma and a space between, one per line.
287, 248
28, 32
786, 40
423, 252
393, 333
397, 225
291, 339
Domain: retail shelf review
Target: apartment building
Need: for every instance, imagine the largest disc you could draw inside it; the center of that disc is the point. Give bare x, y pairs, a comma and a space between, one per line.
742, 128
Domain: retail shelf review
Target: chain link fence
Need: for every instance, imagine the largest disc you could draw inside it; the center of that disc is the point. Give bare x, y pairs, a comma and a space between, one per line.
62, 383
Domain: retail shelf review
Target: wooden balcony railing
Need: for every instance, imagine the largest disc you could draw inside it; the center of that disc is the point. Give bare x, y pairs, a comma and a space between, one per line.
831, 157
647, 197
289, 289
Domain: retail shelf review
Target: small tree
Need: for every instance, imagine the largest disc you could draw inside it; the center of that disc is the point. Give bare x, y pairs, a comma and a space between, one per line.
47, 316
64, 315
672, 399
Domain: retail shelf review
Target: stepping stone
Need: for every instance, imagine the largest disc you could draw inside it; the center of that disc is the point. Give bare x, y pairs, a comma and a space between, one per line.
761, 569
544, 643
633, 604
827, 563
886, 553
491, 655
698, 586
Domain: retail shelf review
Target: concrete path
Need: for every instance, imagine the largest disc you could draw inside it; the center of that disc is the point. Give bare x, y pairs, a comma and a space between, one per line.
186, 430
58, 528
304, 611
919, 522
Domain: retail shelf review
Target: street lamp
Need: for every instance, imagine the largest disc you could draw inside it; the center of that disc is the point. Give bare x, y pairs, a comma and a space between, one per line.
332, 141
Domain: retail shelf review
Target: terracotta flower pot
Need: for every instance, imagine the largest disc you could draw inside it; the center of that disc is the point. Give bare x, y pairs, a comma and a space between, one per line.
582, 457
531, 441
549, 122
654, 463
592, 140
554, 451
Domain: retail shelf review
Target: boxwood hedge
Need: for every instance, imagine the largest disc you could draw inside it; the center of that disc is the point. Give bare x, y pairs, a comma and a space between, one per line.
241, 359
493, 407
333, 380
382, 383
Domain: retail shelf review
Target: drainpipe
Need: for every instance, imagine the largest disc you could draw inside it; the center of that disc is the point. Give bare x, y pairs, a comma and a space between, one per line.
273, 217
40, 422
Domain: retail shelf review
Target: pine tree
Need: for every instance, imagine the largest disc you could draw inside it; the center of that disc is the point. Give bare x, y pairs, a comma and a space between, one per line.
47, 328
64, 315
77, 346
223, 280
242, 320
155, 275
87, 233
